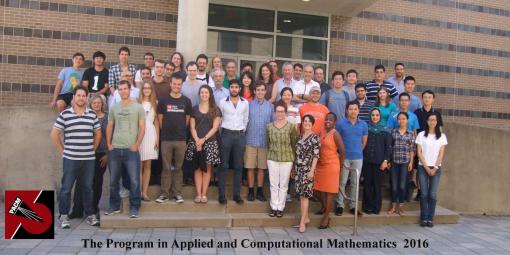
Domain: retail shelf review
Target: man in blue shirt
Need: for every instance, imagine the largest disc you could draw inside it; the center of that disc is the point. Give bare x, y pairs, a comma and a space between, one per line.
354, 133
398, 80
409, 85
413, 123
255, 156
335, 99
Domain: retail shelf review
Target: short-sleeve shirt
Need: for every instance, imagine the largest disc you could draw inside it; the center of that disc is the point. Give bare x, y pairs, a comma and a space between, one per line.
78, 133
335, 101
97, 80
260, 115
422, 116
191, 91
372, 88
430, 146
174, 112
71, 78
204, 121
412, 121
293, 115
414, 102
162, 88
319, 112
352, 136
125, 119
386, 112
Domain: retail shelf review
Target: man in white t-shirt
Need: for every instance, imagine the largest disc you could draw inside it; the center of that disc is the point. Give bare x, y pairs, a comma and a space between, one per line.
302, 88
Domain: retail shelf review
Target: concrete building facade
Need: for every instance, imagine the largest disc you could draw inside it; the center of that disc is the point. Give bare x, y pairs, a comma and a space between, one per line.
460, 49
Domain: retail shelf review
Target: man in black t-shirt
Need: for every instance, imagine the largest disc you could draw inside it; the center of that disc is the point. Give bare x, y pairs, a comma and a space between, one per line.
95, 78
174, 113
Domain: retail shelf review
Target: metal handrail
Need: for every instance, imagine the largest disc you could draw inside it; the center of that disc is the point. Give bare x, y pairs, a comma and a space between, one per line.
356, 197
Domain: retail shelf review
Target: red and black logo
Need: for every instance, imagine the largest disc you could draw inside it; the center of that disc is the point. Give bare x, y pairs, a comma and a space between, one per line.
29, 214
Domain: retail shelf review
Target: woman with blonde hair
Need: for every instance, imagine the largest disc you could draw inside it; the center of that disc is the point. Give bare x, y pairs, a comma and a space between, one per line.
215, 64
150, 143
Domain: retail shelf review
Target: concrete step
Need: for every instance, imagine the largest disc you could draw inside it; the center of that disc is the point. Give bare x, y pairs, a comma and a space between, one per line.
165, 220
213, 206
208, 219
189, 193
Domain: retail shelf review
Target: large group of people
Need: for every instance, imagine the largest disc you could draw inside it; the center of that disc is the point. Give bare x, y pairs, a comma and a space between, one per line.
308, 135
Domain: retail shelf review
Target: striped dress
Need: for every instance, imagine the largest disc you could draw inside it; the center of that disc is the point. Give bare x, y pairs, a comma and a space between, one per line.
147, 150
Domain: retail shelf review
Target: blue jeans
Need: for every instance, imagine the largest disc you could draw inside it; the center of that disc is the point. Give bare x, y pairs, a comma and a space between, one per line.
428, 195
232, 143
398, 182
119, 159
83, 170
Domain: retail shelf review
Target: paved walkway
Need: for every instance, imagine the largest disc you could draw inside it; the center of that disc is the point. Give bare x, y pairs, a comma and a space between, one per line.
473, 235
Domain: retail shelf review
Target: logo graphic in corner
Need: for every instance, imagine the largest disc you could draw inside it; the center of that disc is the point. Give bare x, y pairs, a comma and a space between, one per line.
29, 214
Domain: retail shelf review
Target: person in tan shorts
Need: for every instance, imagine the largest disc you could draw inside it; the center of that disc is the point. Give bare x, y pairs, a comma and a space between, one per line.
255, 156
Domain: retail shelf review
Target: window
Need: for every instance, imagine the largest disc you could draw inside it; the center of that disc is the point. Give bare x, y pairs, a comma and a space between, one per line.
237, 42
300, 24
259, 35
241, 18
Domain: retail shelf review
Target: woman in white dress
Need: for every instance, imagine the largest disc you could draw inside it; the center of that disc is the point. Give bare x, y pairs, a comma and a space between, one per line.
149, 147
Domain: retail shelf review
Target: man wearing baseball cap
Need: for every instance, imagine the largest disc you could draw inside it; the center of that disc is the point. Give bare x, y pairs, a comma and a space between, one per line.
317, 110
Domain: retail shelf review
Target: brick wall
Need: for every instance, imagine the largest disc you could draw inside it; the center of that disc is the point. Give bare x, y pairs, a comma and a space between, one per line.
39, 38
460, 50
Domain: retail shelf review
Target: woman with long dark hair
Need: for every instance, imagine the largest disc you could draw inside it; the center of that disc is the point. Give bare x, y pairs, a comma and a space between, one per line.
178, 60
266, 75
292, 112
203, 149
376, 157
385, 105
401, 162
430, 144
248, 86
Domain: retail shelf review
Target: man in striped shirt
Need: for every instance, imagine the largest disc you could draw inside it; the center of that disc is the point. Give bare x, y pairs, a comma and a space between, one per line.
82, 134
374, 85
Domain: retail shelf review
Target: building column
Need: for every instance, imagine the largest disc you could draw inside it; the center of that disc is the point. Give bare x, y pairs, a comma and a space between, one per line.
192, 28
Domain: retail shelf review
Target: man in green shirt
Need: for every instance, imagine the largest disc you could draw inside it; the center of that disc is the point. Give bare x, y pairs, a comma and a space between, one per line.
125, 131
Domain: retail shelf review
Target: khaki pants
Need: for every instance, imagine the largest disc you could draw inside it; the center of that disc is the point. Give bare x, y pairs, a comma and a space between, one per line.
171, 180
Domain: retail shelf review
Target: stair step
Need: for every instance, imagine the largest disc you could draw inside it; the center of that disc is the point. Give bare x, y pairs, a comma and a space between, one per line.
188, 192
248, 207
167, 220
207, 219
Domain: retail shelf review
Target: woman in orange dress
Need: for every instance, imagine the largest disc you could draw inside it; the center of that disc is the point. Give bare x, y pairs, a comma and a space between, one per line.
327, 175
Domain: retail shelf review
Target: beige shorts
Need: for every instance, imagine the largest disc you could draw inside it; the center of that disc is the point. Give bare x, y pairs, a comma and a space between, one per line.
255, 157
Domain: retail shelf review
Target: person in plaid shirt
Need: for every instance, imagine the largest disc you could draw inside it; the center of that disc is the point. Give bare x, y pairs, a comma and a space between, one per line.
116, 70
401, 162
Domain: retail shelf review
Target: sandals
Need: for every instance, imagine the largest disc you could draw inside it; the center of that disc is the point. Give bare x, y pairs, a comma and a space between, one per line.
279, 214
198, 199
272, 213
146, 198
203, 199
392, 210
401, 211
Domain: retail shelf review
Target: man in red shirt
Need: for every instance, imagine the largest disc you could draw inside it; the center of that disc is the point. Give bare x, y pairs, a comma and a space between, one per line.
317, 110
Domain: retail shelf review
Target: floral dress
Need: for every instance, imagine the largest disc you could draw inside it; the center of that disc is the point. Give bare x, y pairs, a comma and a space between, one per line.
306, 150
